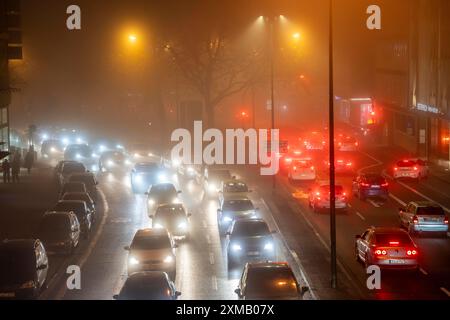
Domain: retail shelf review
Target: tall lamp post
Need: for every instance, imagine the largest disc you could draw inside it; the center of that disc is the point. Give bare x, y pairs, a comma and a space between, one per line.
332, 157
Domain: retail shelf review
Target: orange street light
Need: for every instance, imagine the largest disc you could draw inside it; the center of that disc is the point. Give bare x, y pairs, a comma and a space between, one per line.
132, 38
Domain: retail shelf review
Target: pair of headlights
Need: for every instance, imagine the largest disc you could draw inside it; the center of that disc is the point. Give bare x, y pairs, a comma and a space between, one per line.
134, 261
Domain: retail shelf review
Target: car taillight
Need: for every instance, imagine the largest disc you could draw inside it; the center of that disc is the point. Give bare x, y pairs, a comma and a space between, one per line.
415, 169
395, 168
317, 193
340, 143
379, 252
349, 164
411, 252
446, 220
394, 243
415, 220
295, 168
312, 167
385, 184
364, 184
356, 144
288, 160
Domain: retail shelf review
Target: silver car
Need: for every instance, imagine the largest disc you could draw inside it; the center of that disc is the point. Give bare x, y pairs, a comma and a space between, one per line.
388, 248
411, 168
423, 216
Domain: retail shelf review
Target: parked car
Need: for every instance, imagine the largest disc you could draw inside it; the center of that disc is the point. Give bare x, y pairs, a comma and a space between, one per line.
72, 187
89, 181
83, 196
23, 268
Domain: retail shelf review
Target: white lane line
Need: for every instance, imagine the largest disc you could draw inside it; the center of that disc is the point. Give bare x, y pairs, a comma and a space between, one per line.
378, 163
211, 258
299, 264
376, 205
214, 282
423, 271
360, 215
403, 203
208, 239
92, 245
445, 291
422, 195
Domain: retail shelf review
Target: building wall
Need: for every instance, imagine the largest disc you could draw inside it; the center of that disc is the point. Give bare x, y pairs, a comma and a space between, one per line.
5, 96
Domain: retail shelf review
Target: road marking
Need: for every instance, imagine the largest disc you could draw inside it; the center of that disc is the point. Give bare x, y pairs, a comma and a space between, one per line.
360, 215
211, 258
214, 282
92, 244
208, 239
423, 271
445, 291
397, 199
376, 205
299, 264
378, 163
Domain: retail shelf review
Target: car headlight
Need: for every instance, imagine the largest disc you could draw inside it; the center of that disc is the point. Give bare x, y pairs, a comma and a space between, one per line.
212, 187
227, 219
190, 170
27, 285
158, 226
175, 200
138, 178
94, 167
168, 259
133, 261
52, 150
236, 247
127, 162
78, 156
151, 202
182, 226
268, 246
110, 163
162, 177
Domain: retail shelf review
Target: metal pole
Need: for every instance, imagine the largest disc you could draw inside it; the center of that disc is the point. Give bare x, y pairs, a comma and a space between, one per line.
332, 163
272, 102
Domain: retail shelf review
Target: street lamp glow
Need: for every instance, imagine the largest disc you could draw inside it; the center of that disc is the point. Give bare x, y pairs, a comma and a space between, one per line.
296, 35
132, 38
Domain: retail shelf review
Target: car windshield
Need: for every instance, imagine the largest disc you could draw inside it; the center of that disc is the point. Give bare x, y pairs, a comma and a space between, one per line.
430, 211
16, 265
170, 212
77, 207
384, 239
163, 189
238, 205
73, 167
151, 242
146, 289
250, 229
87, 179
271, 283
235, 187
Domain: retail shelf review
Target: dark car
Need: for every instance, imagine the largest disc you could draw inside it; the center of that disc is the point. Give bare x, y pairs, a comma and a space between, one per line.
89, 181
249, 239
59, 232
368, 185
23, 268
83, 196
144, 174
268, 281
72, 187
161, 193
65, 168
82, 212
237, 207
174, 218
148, 285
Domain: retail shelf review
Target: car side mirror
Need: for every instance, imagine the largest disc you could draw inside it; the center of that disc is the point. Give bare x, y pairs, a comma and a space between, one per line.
177, 293
126, 248
358, 236
116, 297
238, 291
42, 267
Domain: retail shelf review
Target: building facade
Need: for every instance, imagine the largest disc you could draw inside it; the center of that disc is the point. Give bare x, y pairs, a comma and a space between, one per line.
412, 80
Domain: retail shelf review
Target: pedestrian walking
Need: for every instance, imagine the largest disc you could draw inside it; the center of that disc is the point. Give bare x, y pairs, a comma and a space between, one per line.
6, 167
15, 167
29, 159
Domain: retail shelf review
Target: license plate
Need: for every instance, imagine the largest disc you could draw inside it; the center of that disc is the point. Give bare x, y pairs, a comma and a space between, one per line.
253, 253
396, 261
7, 294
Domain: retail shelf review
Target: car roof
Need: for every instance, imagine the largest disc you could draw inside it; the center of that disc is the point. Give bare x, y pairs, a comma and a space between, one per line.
19, 243
425, 204
150, 232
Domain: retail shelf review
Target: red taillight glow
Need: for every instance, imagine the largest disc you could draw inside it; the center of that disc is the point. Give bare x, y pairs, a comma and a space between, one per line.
415, 220
380, 252
394, 243
446, 220
356, 144
287, 160
415, 169
317, 193
349, 164
395, 168
385, 184
295, 168
411, 252
312, 167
